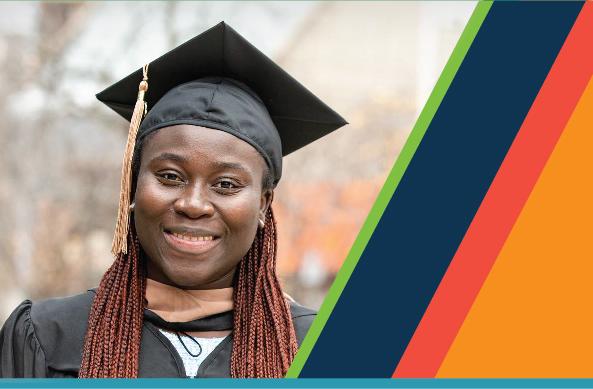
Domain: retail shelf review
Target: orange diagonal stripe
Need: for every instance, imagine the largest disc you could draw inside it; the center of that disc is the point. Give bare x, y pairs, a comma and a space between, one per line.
533, 316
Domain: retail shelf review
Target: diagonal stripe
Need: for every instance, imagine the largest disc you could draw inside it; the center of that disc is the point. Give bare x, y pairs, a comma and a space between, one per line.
502, 204
390, 185
532, 317
441, 190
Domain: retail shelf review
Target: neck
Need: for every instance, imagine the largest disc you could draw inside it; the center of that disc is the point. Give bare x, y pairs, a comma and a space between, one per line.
154, 273
174, 304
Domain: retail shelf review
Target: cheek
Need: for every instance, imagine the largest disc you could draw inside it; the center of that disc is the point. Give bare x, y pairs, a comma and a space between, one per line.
241, 214
150, 198
151, 204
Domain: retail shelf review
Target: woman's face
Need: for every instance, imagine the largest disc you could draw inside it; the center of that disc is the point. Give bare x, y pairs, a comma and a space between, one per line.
198, 198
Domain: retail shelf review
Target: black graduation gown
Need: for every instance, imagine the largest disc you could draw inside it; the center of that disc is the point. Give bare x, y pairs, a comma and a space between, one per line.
45, 339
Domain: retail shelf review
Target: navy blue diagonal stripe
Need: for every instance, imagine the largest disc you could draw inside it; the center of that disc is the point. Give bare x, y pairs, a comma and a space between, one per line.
441, 190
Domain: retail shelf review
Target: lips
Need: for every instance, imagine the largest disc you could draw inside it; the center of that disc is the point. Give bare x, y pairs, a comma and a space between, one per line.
193, 241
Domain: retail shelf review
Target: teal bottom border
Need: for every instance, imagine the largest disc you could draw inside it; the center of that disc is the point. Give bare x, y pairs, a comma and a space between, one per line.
299, 383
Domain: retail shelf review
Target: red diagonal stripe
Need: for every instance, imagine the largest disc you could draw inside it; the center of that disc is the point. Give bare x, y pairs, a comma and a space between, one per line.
502, 204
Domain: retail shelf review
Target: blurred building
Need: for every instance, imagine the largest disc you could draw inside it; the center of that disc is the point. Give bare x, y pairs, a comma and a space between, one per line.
374, 62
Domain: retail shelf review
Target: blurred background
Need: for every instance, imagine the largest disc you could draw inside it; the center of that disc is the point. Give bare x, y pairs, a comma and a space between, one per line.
373, 62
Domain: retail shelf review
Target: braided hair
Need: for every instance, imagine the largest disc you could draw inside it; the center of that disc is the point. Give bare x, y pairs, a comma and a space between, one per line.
264, 339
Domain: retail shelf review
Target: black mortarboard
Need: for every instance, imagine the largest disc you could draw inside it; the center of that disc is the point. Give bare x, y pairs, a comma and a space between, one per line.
218, 80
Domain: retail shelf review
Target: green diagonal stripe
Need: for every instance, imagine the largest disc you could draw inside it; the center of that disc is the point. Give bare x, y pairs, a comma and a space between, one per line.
400, 166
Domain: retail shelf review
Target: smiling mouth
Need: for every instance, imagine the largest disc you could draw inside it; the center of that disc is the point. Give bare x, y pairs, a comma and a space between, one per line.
191, 242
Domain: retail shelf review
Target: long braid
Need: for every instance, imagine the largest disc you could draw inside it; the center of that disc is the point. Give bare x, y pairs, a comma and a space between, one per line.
264, 340
112, 342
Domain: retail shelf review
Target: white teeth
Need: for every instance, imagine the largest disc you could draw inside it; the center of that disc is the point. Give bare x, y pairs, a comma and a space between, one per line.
192, 238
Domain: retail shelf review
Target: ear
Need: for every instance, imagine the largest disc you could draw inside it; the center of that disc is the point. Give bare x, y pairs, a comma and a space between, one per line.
267, 195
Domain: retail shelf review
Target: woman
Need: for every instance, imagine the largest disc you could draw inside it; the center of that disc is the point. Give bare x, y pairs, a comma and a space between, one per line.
193, 289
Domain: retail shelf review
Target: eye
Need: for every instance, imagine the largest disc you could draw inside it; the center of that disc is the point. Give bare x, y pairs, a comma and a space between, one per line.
170, 177
226, 185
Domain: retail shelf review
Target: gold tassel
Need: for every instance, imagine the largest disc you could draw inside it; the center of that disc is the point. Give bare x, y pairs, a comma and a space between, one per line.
120, 237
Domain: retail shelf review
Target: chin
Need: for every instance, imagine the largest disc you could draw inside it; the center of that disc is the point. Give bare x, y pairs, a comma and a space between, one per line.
190, 273
186, 280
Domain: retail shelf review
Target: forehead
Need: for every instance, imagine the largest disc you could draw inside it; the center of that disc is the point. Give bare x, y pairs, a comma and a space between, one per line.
201, 144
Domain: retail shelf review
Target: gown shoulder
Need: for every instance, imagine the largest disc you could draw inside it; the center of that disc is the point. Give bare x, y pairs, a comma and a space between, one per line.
45, 338
20, 351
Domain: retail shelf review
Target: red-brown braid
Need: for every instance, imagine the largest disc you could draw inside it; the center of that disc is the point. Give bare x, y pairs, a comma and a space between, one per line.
112, 342
264, 340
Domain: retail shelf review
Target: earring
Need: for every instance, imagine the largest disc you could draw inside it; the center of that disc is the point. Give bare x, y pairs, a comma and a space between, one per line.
261, 223
132, 206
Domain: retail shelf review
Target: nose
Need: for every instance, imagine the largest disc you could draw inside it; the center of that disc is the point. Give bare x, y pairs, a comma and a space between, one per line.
194, 202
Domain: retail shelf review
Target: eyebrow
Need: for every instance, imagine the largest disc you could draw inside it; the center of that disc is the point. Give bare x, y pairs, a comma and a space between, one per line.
220, 165
229, 166
170, 157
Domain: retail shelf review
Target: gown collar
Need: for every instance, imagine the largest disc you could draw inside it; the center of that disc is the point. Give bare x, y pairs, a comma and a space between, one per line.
218, 322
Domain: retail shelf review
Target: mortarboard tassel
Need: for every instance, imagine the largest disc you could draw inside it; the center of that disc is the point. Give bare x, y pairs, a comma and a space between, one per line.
120, 237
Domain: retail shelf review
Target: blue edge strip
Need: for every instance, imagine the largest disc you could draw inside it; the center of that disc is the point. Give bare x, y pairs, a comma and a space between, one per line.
300, 383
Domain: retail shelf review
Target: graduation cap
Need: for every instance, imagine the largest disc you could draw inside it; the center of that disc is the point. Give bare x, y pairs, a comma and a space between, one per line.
217, 80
